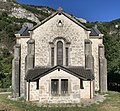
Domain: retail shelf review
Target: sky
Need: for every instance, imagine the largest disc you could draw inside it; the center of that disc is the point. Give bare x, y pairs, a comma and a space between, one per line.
91, 10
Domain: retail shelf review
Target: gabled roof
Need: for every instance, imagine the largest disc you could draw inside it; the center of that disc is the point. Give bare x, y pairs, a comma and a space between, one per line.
78, 71
60, 11
95, 31
24, 31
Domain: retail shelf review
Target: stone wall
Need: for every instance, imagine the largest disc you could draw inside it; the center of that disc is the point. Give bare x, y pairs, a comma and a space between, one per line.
85, 93
95, 44
70, 32
73, 88
23, 42
50, 30
34, 93
74, 91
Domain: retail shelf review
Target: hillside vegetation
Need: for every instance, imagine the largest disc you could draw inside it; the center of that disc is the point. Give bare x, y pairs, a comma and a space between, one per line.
112, 50
13, 15
10, 23
8, 27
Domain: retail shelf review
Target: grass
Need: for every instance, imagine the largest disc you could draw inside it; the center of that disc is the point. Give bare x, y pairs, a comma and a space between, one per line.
5, 89
112, 103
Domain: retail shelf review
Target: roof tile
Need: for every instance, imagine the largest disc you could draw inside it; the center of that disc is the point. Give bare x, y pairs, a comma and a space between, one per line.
78, 71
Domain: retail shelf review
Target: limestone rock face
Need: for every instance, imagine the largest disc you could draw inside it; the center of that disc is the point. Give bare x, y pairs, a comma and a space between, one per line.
7, 0
19, 11
3, 0
23, 13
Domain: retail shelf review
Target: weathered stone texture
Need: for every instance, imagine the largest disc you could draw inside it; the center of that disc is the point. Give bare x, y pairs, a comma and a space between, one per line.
102, 69
16, 71
30, 55
34, 93
23, 42
74, 91
89, 60
49, 31
73, 88
73, 36
85, 93
95, 43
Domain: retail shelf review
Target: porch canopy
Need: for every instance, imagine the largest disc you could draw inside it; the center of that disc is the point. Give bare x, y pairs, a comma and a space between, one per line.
78, 71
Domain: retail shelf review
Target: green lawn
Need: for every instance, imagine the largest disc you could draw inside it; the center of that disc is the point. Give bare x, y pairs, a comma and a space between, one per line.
112, 103
5, 90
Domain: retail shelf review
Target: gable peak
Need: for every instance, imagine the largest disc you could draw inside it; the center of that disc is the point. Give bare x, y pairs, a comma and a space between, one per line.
59, 10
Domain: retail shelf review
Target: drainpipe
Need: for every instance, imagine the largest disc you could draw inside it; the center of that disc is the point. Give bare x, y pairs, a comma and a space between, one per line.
90, 89
28, 90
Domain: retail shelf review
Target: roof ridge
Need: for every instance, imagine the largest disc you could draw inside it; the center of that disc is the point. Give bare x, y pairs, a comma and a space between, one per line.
60, 11
79, 72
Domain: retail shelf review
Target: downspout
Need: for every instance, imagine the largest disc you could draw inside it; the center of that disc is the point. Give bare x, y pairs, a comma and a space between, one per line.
90, 89
28, 90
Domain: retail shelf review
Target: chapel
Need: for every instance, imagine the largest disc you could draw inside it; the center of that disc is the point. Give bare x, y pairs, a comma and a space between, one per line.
59, 61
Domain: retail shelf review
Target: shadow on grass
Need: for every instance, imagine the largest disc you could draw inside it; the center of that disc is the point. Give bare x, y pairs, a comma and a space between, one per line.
114, 82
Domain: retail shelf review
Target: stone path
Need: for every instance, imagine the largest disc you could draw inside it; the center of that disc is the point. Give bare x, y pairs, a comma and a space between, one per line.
84, 102
5, 92
97, 99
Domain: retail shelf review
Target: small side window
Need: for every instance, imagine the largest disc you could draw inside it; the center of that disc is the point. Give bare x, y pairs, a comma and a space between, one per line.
37, 84
55, 87
64, 87
52, 56
81, 84
66, 56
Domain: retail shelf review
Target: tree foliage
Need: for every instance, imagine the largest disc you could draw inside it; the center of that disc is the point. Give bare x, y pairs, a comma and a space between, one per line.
112, 51
8, 27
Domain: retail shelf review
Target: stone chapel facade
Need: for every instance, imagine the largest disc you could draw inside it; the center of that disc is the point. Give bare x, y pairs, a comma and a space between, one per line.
59, 61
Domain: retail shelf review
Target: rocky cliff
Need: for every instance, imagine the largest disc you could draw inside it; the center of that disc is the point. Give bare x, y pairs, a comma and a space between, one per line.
33, 13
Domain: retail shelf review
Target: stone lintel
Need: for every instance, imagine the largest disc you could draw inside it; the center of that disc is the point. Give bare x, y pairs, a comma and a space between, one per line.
17, 35
87, 41
96, 37
30, 61
17, 46
101, 46
51, 43
88, 47
101, 51
89, 62
68, 43
31, 41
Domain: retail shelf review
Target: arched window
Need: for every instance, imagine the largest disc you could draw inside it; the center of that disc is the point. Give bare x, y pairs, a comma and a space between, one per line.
52, 56
59, 53
66, 56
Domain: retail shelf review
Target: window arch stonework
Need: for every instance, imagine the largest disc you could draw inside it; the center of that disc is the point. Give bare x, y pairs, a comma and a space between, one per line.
60, 48
59, 53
